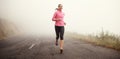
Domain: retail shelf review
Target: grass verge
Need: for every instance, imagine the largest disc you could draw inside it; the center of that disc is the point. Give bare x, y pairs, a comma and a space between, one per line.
104, 39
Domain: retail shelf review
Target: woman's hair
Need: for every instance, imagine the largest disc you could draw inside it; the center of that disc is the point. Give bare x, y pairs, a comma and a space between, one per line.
58, 6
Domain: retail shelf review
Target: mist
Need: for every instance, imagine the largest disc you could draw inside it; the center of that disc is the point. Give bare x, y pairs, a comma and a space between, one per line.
81, 16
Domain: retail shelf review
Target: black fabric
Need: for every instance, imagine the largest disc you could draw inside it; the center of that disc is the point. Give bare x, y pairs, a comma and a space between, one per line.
59, 32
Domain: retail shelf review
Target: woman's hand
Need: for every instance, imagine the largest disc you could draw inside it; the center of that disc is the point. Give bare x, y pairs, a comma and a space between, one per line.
58, 19
64, 23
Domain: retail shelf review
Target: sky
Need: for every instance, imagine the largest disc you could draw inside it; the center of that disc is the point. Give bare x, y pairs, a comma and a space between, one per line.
81, 16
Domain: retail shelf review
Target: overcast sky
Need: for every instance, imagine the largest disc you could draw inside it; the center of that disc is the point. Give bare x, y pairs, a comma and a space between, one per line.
81, 16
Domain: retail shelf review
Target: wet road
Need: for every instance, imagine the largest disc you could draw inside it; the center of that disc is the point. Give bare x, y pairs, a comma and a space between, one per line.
43, 47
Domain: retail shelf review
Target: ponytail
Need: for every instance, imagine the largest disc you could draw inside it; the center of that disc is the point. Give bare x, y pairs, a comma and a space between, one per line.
56, 8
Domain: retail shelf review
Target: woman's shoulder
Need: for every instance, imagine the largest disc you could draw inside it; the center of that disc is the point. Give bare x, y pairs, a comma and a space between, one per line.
56, 12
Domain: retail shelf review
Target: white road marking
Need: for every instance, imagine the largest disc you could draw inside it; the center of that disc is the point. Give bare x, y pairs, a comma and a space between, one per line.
31, 46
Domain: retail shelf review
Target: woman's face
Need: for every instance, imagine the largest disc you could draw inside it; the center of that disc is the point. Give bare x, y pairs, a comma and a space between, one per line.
60, 6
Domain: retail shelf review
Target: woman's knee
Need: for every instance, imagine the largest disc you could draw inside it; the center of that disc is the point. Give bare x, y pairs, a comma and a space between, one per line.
57, 37
61, 37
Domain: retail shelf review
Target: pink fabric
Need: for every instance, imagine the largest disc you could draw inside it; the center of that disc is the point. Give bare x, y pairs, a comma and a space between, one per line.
58, 15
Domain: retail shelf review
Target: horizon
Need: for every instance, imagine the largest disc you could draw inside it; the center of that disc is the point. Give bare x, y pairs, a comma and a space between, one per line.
82, 16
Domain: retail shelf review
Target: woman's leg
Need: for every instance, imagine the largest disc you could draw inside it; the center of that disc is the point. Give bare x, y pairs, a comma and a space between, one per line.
61, 38
57, 30
61, 46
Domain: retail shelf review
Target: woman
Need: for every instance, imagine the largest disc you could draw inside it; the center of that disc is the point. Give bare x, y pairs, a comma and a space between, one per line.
58, 17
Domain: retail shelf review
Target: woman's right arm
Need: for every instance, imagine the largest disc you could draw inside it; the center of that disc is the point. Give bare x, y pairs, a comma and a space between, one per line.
54, 17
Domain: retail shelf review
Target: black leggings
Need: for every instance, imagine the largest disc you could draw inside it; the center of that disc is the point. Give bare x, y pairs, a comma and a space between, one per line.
59, 32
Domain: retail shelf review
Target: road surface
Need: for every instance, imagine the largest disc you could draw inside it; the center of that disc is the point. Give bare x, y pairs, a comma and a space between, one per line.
43, 47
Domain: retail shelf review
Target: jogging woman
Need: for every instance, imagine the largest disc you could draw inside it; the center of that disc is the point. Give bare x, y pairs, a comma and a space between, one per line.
58, 17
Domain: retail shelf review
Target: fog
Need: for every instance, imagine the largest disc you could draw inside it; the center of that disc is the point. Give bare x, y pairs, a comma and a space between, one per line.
81, 16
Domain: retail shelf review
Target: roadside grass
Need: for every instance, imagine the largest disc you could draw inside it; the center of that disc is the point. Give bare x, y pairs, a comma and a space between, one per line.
104, 39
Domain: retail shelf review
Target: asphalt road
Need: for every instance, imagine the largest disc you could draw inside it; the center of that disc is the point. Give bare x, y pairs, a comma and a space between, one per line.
43, 47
